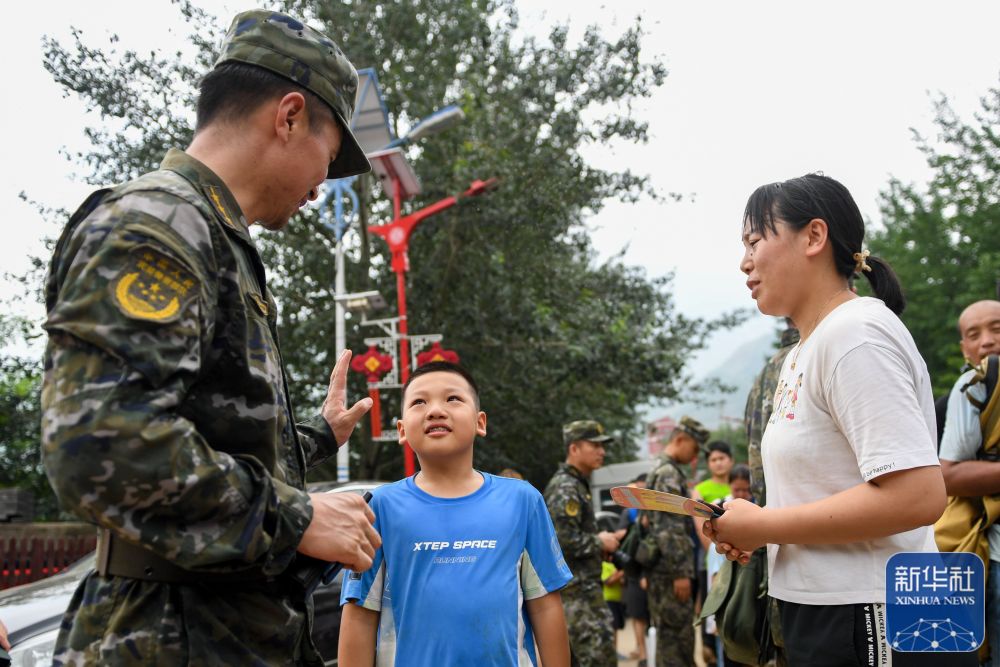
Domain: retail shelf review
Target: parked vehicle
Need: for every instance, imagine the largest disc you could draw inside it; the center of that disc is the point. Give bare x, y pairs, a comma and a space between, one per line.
614, 474
33, 612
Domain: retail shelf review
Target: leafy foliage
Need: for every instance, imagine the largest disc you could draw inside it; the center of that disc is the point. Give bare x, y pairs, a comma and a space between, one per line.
943, 240
20, 421
510, 278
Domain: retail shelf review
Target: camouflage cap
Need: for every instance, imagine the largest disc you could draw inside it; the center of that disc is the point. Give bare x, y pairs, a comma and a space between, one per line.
585, 429
694, 428
292, 49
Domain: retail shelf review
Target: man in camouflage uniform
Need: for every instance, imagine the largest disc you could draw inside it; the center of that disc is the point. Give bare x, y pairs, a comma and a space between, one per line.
671, 606
588, 619
760, 404
166, 417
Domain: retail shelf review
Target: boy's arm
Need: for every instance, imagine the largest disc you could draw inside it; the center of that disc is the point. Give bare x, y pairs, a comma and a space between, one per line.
358, 629
549, 626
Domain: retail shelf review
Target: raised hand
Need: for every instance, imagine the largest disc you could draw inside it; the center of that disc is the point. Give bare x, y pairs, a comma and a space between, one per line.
334, 410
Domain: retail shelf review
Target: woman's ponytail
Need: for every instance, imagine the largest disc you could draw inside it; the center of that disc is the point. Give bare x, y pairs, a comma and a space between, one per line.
885, 284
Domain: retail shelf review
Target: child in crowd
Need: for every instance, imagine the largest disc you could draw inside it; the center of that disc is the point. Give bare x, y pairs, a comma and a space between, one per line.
719, 459
469, 570
739, 483
612, 579
636, 602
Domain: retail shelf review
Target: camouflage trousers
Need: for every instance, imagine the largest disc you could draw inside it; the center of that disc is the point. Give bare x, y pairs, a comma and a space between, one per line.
588, 619
672, 620
126, 622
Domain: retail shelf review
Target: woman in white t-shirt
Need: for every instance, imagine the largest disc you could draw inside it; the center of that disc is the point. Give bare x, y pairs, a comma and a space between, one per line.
849, 451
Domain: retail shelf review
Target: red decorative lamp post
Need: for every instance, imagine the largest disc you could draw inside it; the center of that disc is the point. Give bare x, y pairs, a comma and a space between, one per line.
398, 178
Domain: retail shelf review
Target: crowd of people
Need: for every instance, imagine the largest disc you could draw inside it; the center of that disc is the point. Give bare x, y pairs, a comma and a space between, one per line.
167, 423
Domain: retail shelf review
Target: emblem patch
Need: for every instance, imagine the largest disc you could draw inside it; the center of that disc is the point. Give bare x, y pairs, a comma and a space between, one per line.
152, 286
572, 508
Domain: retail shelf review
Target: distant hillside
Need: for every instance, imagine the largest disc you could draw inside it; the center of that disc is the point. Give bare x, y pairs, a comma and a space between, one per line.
737, 370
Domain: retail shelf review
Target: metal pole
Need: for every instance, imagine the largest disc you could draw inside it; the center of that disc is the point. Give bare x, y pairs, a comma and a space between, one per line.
343, 460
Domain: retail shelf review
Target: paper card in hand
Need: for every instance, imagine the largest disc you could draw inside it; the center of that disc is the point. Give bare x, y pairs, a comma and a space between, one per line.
658, 501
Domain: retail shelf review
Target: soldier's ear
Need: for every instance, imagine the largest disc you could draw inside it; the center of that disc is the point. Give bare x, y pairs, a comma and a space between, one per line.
289, 114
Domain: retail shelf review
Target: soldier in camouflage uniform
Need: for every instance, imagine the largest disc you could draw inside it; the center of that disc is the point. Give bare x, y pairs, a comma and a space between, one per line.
671, 605
760, 403
588, 619
758, 409
166, 418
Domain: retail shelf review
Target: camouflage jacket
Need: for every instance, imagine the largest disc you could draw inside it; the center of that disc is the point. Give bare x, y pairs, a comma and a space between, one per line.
672, 532
166, 415
568, 498
760, 403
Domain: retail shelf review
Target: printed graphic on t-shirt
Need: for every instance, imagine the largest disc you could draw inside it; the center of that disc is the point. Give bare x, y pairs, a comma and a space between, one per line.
455, 553
786, 397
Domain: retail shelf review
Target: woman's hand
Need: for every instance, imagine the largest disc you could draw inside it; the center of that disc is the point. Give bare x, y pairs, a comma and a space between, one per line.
739, 531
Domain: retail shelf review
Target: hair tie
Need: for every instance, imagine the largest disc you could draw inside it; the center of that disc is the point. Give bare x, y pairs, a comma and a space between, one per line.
861, 265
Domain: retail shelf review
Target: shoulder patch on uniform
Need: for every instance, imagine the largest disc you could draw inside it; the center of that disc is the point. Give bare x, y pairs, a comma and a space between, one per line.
152, 286
572, 507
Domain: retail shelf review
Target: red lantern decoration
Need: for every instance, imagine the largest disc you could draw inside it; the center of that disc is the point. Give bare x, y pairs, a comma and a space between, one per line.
373, 364
437, 353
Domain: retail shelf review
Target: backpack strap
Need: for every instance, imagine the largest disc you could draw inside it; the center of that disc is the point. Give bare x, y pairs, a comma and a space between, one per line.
992, 371
989, 416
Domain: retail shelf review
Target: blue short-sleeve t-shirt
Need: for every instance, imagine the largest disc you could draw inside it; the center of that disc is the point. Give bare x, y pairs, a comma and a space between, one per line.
452, 575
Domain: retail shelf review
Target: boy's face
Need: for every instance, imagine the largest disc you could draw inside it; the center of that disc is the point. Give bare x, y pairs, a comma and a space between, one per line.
440, 417
719, 463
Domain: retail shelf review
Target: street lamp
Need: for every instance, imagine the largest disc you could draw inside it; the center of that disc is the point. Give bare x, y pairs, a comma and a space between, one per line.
438, 121
370, 124
361, 302
396, 173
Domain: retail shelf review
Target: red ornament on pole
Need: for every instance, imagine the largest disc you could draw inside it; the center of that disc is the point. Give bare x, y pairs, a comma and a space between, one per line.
436, 353
374, 365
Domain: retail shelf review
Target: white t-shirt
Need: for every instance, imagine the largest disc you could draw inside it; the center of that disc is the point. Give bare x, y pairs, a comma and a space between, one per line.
963, 436
853, 403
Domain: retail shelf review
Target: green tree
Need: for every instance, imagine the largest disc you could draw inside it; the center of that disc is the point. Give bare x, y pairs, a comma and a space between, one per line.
943, 239
20, 420
510, 279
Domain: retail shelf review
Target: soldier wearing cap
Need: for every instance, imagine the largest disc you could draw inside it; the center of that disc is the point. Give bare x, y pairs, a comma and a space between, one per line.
671, 606
167, 421
588, 619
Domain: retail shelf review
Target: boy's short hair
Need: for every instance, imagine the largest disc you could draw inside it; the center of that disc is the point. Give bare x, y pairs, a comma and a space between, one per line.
442, 367
719, 446
641, 477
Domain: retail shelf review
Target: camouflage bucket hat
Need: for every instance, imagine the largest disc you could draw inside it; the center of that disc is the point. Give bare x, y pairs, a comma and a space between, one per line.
694, 428
295, 51
585, 429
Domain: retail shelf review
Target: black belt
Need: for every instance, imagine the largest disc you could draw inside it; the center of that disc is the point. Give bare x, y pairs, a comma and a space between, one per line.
116, 557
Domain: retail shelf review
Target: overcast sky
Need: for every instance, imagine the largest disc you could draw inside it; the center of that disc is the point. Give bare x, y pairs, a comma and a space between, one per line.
757, 92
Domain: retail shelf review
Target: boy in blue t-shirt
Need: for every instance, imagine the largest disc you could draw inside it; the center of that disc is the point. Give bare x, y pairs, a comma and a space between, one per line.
469, 570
